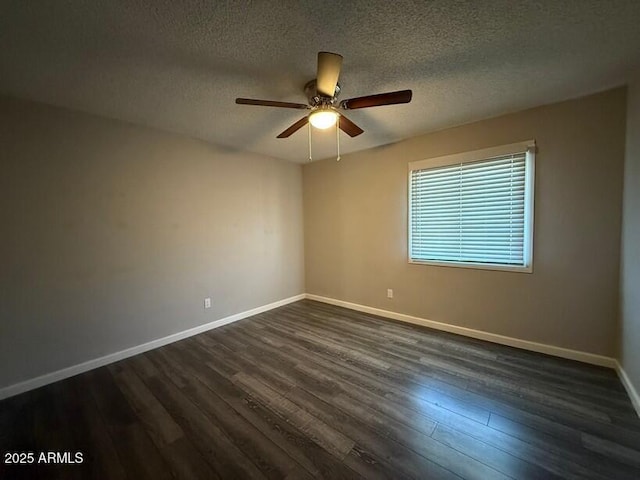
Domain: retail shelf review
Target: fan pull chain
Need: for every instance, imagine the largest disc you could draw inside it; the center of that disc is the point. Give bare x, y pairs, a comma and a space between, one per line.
338, 137
310, 157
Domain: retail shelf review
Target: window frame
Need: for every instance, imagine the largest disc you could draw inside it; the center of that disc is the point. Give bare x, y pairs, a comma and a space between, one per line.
529, 148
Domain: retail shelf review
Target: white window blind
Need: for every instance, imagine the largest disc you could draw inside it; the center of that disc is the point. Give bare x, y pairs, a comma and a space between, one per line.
473, 212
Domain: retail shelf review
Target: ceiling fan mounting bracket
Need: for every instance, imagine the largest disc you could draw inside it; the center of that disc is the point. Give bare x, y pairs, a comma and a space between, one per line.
316, 99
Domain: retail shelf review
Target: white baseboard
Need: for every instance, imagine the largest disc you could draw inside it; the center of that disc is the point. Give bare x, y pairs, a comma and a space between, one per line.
631, 390
52, 377
479, 334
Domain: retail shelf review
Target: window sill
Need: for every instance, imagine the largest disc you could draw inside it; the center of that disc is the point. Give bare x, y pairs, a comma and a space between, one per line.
476, 266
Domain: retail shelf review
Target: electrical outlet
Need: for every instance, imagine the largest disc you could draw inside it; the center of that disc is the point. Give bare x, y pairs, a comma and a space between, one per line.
207, 302
389, 293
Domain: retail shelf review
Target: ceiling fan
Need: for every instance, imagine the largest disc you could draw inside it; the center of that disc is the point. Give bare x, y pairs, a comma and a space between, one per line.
322, 93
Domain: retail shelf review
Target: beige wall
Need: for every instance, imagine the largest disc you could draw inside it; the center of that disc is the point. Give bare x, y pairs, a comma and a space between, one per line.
630, 263
112, 235
355, 215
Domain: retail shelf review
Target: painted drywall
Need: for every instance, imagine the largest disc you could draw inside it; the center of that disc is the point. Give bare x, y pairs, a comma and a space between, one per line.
355, 218
113, 235
630, 258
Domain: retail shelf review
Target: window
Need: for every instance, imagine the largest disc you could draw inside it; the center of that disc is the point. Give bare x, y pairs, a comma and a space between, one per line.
474, 209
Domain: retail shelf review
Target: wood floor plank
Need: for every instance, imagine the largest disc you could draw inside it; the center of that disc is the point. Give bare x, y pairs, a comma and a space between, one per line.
508, 386
225, 458
569, 372
409, 427
270, 459
328, 438
72, 435
457, 405
548, 419
552, 459
500, 460
186, 461
405, 434
428, 374
150, 412
570, 451
573, 451
300, 447
437, 452
611, 449
99, 452
137, 453
416, 402
378, 387
398, 456
47, 425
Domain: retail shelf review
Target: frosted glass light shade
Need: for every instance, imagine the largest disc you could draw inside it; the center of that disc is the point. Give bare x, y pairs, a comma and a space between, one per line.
323, 119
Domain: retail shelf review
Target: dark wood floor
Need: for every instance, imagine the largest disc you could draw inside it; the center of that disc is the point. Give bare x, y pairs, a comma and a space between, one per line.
311, 390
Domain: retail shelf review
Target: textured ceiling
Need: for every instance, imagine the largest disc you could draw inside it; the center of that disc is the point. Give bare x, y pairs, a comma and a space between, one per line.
178, 65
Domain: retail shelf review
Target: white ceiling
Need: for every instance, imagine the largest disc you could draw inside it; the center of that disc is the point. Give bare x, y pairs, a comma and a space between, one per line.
178, 65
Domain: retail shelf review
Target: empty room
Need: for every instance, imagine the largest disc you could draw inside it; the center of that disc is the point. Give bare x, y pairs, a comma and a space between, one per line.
339, 240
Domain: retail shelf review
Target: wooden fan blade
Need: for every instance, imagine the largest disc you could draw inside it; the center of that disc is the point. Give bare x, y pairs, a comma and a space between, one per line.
348, 127
294, 128
270, 103
389, 98
329, 65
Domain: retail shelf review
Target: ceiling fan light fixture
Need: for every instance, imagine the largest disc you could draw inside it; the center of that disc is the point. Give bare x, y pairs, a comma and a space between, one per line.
322, 100
323, 119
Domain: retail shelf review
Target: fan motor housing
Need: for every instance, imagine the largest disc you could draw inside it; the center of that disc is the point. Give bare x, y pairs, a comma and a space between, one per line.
315, 99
